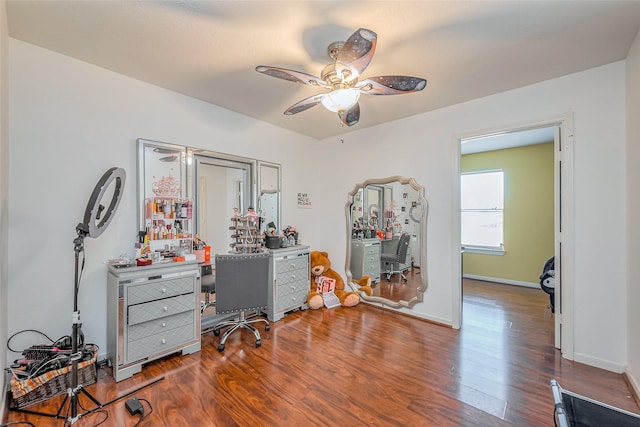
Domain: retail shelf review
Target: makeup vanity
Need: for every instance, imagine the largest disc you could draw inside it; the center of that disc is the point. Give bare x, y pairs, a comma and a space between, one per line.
152, 311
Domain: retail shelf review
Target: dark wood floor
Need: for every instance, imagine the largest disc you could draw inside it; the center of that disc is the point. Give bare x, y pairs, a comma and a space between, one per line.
365, 366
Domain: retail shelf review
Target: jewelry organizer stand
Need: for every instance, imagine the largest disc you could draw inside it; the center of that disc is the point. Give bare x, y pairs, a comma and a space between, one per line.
245, 235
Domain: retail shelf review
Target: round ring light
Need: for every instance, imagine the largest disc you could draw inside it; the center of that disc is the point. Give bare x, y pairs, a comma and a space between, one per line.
93, 225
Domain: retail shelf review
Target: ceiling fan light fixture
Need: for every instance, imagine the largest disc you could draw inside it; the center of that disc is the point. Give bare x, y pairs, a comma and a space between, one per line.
341, 99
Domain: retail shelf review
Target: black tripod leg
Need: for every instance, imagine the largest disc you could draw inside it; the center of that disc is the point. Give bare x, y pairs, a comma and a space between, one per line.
101, 405
93, 399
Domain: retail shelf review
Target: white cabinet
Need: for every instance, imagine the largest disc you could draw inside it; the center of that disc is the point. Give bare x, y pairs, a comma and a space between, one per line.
152, 311
365, 258
291, 279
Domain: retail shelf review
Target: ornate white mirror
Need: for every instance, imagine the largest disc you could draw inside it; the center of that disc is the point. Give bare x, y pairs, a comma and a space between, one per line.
378, 212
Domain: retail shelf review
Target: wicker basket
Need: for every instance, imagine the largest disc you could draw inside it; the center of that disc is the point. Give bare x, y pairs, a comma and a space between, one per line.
53, 383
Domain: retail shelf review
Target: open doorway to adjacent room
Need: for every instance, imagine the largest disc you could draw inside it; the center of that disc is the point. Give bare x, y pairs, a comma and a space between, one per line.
510, 220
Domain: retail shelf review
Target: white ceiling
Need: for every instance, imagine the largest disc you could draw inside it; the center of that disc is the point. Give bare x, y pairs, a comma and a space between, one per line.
209, 49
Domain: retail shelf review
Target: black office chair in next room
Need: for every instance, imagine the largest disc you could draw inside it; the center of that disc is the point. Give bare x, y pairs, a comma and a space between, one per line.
242, 285
391, 260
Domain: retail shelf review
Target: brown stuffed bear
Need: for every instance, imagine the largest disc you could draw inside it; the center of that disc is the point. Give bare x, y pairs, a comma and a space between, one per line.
321, 267
364, 285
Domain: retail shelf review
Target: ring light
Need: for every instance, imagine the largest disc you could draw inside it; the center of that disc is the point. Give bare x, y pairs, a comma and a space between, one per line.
90, 225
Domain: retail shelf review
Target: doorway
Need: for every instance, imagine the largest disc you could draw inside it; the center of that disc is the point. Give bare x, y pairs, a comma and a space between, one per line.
561, 136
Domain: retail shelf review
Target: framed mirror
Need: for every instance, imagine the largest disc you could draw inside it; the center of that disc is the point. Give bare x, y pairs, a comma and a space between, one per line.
269, 184
218, 184
378, 212
161, 172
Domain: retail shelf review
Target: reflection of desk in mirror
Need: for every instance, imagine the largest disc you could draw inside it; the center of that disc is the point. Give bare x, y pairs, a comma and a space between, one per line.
365, 258
391, 246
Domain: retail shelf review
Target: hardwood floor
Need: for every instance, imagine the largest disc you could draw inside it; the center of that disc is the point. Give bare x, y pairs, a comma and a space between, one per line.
365, 366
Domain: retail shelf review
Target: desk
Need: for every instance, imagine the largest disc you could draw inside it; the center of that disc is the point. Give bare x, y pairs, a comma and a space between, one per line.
291, 275
152, 311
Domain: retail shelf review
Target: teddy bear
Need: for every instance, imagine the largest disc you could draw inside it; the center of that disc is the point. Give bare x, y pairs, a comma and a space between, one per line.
321, 268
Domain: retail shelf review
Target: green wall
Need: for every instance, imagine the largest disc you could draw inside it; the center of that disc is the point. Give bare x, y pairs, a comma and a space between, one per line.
528, 213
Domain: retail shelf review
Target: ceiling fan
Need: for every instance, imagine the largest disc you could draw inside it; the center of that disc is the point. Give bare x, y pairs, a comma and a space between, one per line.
341, 78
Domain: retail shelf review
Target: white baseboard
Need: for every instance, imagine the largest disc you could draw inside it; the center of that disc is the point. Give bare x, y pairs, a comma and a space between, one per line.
504, 281
633, 382
406, 312
607, 365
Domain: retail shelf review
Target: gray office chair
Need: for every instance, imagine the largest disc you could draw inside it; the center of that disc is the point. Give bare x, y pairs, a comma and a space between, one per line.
242, 285
392, 260
207, 286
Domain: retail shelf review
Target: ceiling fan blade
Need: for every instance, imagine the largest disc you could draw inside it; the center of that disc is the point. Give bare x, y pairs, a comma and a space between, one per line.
290, 75
351, 116
358, 49
305, 104
391, 85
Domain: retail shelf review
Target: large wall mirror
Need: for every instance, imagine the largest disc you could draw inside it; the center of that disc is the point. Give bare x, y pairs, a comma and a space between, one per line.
377, 212
218, 183
269, 184
161, 172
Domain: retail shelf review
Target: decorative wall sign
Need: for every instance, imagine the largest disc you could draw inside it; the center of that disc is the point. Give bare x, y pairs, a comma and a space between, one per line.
304, 202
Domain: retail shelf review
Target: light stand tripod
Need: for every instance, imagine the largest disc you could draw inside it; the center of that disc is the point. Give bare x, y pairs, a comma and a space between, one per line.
92, 229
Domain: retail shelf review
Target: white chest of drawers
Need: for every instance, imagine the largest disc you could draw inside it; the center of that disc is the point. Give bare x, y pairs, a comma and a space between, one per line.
365, 258
291, 278
152, 311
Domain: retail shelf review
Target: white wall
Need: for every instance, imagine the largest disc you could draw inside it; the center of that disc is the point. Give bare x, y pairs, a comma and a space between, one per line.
633, 210
423, 147
4, 183
70, 121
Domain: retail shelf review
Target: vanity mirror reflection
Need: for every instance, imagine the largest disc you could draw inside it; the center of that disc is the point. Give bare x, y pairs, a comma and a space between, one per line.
269, 193
161, 172
377, 212
218, 183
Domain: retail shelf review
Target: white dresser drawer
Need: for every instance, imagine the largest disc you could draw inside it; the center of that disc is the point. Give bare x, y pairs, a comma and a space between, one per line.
159, 343
155, 326
284, 266
163, 288
162, 308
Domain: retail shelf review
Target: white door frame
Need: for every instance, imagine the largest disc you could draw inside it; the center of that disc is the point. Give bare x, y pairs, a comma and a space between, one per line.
564, 224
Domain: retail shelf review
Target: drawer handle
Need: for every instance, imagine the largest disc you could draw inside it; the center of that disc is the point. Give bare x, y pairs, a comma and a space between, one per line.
164, 290
164, 324
163, 341
165, 308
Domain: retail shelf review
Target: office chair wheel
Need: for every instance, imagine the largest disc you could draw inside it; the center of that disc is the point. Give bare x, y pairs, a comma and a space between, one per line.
258, 343
216, 332
221, 347
268, 327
